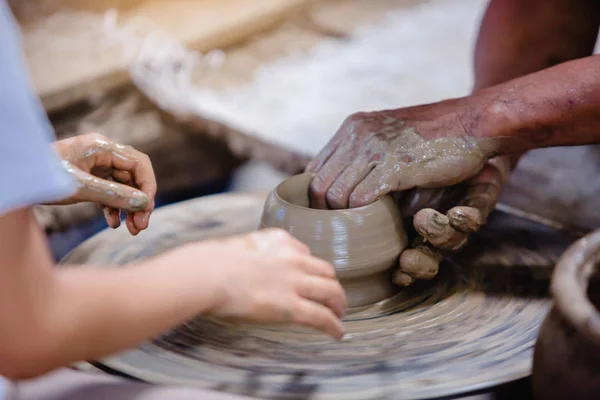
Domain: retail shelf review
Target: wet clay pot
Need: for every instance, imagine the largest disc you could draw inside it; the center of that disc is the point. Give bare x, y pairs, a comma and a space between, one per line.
363, 244
566, 361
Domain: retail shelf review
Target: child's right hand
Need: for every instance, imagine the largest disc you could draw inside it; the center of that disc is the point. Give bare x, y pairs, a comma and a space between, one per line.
270, 277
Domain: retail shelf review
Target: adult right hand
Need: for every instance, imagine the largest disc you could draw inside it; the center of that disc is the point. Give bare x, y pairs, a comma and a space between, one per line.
376, 153
270, 277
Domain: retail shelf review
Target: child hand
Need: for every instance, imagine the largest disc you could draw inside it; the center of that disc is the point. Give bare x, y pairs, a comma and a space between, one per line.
270, 277
116, 176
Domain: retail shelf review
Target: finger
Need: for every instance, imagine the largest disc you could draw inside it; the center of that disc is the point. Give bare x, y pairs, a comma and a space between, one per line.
402, 279
112, 216
297, 245
338, 195
327, 292
372, 187
327, 175
123, 177
317, 316
465, 219
482, 197
131, 227
105, 153
325, 154
277, 239
436, 229
140, 220
348, 125
316, 266
112, 194
485, 188
421, 262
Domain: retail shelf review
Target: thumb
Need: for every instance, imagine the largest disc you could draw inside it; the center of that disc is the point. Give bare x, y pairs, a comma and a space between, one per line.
108, 193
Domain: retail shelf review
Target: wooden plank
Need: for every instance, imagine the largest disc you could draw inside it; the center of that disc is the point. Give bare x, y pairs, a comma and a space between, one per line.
62, 77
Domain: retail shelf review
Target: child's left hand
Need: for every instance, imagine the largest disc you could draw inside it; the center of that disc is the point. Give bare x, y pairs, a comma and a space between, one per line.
115, 176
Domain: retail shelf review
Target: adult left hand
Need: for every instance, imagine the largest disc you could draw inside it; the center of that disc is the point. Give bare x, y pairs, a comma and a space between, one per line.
115, 176
468, 206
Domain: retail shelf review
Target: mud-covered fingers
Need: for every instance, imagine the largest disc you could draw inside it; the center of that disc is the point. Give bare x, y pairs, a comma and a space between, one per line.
135, 221
327, 292
98, 151
327, 175
112, 216
436, 229
325, 154
484, 190
483, 197
105, 192
338, 195
311, 314
402, 279
371, 188
418, 263
465, 219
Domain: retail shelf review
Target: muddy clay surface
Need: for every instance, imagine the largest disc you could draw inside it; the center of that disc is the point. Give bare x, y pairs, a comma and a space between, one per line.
471, 327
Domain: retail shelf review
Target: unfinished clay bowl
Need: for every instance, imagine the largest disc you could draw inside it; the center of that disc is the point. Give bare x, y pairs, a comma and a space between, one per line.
363, 244
567, 352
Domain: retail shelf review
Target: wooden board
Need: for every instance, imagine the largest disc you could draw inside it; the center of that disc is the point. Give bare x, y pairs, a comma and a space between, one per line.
64, 77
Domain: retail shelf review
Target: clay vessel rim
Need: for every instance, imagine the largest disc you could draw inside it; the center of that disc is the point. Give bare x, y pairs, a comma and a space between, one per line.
374, 205
570, 283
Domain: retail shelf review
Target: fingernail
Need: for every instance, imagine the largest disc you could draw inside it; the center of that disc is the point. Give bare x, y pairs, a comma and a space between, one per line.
138, 201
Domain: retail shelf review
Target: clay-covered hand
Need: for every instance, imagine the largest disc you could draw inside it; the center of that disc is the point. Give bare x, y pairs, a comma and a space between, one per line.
440, 233
115, 176
270, 277
376, 153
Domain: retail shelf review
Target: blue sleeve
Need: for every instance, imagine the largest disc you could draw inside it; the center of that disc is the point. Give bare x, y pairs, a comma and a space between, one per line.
30, 171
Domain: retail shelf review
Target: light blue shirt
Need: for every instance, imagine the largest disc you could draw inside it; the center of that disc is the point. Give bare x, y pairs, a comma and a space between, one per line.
3, 389
30, 171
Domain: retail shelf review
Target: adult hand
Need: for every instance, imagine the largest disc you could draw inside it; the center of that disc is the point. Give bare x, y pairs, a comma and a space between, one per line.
270, 277
115, 176
430, 149
441, 233
376, 153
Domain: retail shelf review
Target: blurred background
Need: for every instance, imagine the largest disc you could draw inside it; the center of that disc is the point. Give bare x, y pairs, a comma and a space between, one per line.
233, 95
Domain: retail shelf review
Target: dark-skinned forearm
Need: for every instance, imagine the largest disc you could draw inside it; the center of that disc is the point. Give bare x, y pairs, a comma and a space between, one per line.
521, 37
518, 38
559, 106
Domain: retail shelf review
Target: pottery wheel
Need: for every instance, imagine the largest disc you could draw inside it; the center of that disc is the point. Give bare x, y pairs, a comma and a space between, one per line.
472, 327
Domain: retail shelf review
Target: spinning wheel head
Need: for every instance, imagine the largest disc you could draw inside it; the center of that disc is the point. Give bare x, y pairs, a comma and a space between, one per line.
471, 327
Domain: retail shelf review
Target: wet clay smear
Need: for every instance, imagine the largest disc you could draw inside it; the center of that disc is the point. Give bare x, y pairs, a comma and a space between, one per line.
471, 327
